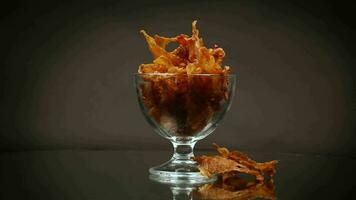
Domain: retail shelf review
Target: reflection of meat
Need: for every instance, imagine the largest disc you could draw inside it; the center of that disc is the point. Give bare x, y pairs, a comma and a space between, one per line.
184, 104
236, 189
234, 161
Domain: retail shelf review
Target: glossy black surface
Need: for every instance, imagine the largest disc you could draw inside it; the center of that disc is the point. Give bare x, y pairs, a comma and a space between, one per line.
115, 174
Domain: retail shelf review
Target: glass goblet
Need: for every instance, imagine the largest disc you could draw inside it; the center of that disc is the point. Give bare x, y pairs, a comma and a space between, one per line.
184, 109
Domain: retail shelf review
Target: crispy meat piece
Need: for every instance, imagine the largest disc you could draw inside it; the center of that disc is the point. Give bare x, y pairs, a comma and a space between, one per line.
231, 162
191, 56
268, 168
211, 165
208, 167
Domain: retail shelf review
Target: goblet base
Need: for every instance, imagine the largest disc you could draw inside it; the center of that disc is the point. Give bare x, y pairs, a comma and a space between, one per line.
178, 171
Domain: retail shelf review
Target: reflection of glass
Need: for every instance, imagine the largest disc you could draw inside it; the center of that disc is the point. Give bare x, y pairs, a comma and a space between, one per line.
183, 109
231, 188
181, 190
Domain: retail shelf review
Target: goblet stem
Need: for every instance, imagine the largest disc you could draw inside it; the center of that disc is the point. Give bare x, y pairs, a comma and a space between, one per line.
183, 151
181, 168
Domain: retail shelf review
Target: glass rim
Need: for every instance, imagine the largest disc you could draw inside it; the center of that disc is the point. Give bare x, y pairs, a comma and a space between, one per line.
173, 74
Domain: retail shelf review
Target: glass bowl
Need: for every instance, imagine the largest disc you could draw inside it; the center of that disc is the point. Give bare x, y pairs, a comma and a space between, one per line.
184, 109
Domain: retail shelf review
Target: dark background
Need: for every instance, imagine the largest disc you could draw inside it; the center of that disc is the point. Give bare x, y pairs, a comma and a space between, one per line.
66, 73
